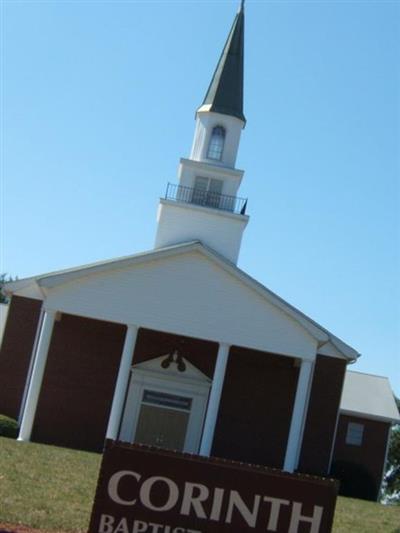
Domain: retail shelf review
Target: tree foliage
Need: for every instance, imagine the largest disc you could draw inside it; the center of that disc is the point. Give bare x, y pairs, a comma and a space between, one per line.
392, 476
4, 278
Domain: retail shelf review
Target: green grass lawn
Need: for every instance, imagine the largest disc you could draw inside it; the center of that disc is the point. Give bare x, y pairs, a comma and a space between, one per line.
46, 487
52, 488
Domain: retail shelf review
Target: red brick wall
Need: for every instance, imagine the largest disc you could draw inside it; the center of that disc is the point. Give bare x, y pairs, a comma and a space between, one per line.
256, 405
16, 351
359, 468
78, 384
320, 425
81, 371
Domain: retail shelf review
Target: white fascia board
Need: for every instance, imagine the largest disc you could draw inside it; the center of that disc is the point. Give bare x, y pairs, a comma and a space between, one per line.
51, 279
329, 350
368, 416
58, 278
315, 330
293, 313
209, 167
27, 287
344, 348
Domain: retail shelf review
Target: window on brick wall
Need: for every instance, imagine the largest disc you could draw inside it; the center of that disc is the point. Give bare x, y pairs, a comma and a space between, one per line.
354, 435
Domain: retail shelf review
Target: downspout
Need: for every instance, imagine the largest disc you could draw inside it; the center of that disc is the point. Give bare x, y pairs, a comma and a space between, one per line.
336, 426
385, 462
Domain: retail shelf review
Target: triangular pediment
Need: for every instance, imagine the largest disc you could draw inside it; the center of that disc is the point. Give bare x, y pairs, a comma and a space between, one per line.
174, 366
186, 289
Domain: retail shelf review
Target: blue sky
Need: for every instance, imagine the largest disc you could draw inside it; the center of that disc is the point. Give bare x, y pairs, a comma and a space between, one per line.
98, 103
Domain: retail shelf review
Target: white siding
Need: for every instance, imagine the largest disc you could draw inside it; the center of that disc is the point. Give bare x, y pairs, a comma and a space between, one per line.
188, 295
179, 223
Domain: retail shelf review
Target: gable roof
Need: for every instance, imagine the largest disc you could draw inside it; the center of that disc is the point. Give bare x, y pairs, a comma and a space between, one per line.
39, 285
369, 396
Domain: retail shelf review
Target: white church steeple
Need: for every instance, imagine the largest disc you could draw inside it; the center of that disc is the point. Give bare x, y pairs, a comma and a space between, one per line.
204, 204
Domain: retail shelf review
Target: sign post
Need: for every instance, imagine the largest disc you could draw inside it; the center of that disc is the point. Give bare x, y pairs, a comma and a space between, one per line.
143, 489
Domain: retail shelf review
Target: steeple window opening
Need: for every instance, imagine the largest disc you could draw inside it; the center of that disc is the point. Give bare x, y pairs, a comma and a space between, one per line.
207, 191
217, 142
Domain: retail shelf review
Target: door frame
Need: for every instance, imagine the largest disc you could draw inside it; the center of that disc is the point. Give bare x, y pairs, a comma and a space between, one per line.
150, 375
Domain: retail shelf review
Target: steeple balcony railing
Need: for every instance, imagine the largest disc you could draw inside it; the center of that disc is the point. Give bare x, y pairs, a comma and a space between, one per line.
205, 198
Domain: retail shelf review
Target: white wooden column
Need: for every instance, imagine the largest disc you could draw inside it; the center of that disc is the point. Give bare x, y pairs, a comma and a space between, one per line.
31, 362
122, 382
35, 384
298, 416
214, 400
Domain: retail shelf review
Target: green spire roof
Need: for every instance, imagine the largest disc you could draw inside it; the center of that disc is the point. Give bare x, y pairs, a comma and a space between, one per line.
225, 93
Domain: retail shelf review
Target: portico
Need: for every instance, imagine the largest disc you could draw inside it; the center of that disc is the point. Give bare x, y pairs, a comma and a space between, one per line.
135, 340
122, 400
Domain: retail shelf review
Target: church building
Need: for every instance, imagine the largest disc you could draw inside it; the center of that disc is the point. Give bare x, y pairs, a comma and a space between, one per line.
179, 348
